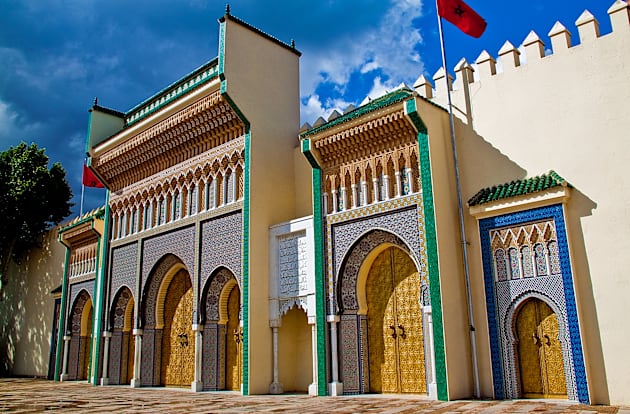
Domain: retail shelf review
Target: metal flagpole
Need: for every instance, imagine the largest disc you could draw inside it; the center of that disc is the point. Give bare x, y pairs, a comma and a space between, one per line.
462, 228
82, 191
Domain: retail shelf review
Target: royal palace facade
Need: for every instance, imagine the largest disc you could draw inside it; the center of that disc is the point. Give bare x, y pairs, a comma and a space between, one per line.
238, 251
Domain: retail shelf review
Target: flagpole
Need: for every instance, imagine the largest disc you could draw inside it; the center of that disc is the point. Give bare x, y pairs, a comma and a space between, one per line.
82, 191
460, 207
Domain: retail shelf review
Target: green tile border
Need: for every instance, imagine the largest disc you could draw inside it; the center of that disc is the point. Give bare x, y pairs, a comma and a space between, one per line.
320, 299
432, 250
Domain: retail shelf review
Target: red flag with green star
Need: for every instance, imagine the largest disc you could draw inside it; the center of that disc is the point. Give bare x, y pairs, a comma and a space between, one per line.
462, 16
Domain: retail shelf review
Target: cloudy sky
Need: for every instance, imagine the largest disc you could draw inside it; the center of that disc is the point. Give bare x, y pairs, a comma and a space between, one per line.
56, 56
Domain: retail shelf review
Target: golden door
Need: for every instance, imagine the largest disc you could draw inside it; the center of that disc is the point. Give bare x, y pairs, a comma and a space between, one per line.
540, 352
233, 366
178, 341
396, 349
87, 347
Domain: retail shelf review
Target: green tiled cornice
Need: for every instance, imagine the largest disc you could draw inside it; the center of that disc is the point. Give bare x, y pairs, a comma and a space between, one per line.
167, 95
518, 187
391, 98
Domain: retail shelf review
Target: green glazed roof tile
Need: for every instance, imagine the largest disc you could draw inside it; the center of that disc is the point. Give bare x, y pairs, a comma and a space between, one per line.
518, 188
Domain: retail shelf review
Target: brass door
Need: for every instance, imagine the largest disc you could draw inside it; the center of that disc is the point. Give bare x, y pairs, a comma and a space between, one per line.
540, 352
233, 366
86, 342
178, 344
396, 348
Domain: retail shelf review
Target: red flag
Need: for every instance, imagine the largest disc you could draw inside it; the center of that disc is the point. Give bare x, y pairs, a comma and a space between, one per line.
89, 179
462, 16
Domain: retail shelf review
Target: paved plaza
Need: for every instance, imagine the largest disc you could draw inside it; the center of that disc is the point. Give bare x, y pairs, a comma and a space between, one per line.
34, 396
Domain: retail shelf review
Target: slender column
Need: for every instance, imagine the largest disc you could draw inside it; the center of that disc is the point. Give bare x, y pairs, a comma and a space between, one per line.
399, 190
344, 198
376, 189
197, 384
364, 193
135, 381
335, 388
354, 196
276, 386
312, 388
66, 347
386, 187
547, 254
335, 201
105, 378
431, 384
325, 202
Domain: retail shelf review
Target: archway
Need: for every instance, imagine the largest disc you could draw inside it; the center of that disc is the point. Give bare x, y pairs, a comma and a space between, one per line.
294, 346
539, 351
394, 317
81, 337
122, 343
231, 297
178, 345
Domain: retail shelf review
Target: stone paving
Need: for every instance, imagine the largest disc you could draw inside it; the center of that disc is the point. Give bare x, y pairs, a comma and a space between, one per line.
35, 396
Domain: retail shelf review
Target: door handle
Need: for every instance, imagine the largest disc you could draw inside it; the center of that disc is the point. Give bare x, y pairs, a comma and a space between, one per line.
403, 335
536, 338
547, 340
393, 328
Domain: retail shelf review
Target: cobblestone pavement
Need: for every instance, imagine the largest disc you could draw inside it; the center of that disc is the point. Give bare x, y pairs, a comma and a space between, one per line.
34, 396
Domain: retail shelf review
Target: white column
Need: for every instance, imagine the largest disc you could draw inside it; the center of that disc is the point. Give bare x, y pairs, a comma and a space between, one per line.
377, 191
430, 355
197, 384
344, 198
64, 366
105, 378
312, 388
325, 203
386, 187
399, 190
276, 386
135, 381
354, 196
335, 388
364, 193
335, 201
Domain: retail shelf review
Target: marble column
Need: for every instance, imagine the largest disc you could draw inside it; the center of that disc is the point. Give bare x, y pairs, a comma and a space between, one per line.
105, 379
137, 357
335, 388
66, 347
197, 384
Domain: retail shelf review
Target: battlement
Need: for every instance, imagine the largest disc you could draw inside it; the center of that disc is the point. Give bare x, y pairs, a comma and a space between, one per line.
511, 61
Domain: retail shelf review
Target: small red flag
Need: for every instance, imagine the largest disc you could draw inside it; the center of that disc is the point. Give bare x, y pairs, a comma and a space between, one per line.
462, 16
89, 179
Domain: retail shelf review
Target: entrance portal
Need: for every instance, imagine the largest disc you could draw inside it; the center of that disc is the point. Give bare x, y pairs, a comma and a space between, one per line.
396, 346
540, 352
178, 344
233, 366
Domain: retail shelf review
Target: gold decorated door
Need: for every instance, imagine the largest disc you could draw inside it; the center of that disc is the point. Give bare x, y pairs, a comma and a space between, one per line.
396, 348
233, 366
178, 344
540, 352
86, 342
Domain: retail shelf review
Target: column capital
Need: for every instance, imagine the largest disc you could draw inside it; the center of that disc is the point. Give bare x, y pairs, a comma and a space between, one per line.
67, 337
107, 334
197, 327
138, 332
333, 318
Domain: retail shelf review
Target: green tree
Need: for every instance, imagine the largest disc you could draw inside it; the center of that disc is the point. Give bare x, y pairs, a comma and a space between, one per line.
33, 198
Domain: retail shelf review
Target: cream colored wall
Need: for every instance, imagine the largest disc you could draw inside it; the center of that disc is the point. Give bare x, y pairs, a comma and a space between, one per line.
295, 362
263, 81
303, 184
455, 312
566, 112
26, 310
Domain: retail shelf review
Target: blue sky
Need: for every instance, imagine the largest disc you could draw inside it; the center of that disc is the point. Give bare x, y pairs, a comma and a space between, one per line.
56, 56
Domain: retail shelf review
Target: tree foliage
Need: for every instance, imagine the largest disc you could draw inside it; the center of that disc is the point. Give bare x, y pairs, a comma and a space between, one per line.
33, 198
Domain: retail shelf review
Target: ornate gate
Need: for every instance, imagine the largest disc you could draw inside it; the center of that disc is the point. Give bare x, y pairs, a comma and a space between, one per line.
540, 352
396, 350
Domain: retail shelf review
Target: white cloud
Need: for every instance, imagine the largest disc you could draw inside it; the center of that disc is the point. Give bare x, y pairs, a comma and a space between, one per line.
388, 47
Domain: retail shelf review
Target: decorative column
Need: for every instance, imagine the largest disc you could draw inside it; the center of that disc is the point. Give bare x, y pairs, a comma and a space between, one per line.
137, 356
430, 354
197, 384
325, 202
354, 196
386, 187
276, 386
398, 184
312, 388
66, 347
335, 201
377, 191
344, 198
335, 388
364, 193
105, 378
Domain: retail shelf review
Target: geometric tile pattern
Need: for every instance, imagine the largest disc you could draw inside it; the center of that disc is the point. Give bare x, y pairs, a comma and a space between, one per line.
221, 246
504, 297
123, 269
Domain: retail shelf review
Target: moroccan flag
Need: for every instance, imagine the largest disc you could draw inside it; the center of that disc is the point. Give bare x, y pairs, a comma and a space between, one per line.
462, 16
89, 179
